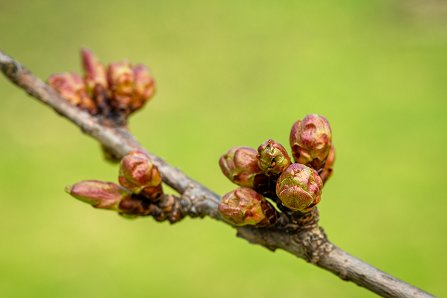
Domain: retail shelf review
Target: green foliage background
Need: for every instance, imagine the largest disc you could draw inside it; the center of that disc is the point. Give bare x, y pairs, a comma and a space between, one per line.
229, 73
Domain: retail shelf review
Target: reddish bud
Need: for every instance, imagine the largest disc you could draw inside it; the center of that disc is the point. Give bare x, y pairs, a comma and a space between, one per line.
327, 169
144, 86
71, 87
272, 158
311, 140
244, 206
95, 74
121, 80
299, 188
140, 175
99, 194
240, 165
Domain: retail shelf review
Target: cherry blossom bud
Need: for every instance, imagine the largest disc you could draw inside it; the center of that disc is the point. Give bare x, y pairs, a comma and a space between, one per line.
327, 170
244, 206
140, 175
299, 188
240, 165
99, 194
311, 140
272, 158
120, 78
144, 86
95, 74
71, 87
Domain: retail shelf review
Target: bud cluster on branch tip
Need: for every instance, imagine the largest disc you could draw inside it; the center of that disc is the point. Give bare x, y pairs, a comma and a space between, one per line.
140, 191
118, 89
244, 206
269, 172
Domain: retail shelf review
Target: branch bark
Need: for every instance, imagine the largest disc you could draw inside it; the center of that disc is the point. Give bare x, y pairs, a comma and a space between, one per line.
310, 243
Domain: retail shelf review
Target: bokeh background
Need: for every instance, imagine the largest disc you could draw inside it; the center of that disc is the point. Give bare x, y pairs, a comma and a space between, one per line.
229, 73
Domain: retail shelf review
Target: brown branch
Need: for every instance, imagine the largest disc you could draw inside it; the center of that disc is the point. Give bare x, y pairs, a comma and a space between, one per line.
310, 243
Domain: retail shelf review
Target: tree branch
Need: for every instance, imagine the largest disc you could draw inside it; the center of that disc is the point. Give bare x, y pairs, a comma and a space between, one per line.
309, 243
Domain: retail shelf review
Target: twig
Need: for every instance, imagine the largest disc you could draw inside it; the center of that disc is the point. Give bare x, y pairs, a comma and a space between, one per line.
310, 244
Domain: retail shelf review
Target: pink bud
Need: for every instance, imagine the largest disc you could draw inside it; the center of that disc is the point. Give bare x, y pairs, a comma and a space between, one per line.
95, 74
311, 140
71, 87
99, 194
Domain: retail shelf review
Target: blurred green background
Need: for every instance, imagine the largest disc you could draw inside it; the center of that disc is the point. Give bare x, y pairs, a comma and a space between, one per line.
229, 73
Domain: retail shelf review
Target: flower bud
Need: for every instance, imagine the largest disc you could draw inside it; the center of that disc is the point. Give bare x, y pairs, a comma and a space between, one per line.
299, 188
71, 87
327, 170
144, 86
140, 175
244, 206
240, 165
311, 140
272, 158
99, 194
121, 80
95, 74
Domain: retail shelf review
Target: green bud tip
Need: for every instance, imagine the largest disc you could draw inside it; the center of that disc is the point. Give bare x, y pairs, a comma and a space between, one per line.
299, 188
273, 158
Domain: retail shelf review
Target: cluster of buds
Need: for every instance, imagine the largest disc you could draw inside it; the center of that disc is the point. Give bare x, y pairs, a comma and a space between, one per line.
113, 92
139, 192
270, 173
